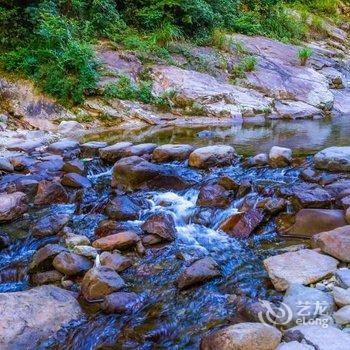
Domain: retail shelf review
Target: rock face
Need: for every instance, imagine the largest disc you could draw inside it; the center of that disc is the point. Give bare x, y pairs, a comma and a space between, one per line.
211, 156
135, 173
122, 208
298, 295
213, 196
71, 264
280, 156
50, 225
33, 316
161, 225
322, 338
114, 152
243, 336
311, 221
121, 240
333, 159
335, 243
202, 270
169, 153
241, 225
302, 267
12, 205
99, 282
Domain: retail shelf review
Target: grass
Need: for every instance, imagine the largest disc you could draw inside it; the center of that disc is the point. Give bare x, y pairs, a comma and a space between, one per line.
304, 54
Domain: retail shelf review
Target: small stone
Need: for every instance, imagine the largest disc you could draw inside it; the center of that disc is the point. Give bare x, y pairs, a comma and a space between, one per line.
91, 149
138, 150
63, 147
228, 183
200, 271
122, 208
6, 166
73, 240
50, 192
114, 152
47, 277
99, 282
42, 259
115, 261
70, 127
121, 240
85, 250
151, 239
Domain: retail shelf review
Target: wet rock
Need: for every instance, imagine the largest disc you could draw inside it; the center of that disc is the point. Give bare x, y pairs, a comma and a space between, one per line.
242, 224
342, 316
108, 227
75, 180
121, 240
280, 156
115, 261
272, 206
50, 225
122, 208
162, 225
200, 271
243, 336
333, 159
71, 264
42, 259
47, 277
294, 345
27, 185
12, 206
33, 316
342, 277
120, 302
5, 240
228, 183
171, 152
304, 266
211, 156
70, 127
308, 222
74, 166
91, 149
138, 150
135, 173
85, 250
298, 295
321, 338
261, 159
213, 196
23, 163
5, 165
50, 192
114, 152
64, 147
310, 175
341, 296
345, 202
244, 188
151, 239
296, 110
335, 243
99, 282
311, 198
26, 146
73, 240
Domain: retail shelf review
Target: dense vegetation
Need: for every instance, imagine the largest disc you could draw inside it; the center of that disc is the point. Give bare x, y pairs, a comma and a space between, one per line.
51, 41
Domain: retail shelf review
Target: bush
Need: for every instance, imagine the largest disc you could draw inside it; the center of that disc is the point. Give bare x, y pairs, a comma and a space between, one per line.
304, 54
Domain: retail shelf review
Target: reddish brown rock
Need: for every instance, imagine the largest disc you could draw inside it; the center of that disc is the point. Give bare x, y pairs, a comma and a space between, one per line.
50, 225
120, 302
42, 259
122, 208
169, 153
115, 261
121, 240
50, 192
12, 205
47, 277
162, 225
71, 264
74, 166
213, 196
114, 152
335, 243
138, 150
108, 227
75, 180
241, 225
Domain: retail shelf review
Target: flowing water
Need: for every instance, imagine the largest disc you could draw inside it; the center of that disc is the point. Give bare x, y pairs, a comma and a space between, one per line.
168, 318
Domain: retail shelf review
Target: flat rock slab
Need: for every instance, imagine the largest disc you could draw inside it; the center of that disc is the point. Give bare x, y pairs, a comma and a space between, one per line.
335, 243
32, 316
303, 266
322, 338
333, 159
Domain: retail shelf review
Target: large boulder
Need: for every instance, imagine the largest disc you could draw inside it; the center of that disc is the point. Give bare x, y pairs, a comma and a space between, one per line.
308, 222
114, 152
333, 159
12, 205
33, 316
213, 196
243, 336
304, 266
335, 243
242, 224
121, 240
200, 271
169, 153
322, 338
211, 156
135, 173
280, 156
99, 282
139, 150
161, 225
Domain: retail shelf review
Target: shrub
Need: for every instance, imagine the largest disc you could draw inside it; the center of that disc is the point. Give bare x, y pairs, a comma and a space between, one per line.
248, 63
304, 54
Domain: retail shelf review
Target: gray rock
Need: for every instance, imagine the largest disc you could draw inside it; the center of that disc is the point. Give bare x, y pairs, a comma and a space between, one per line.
171, 152
12, 206
341, 296
342, 316
294, 345
75, 180
5, 165
138, 150
70, 127
342, 277
91, 149
114, 152
280, 156
333, 159
50, 225
63, 147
